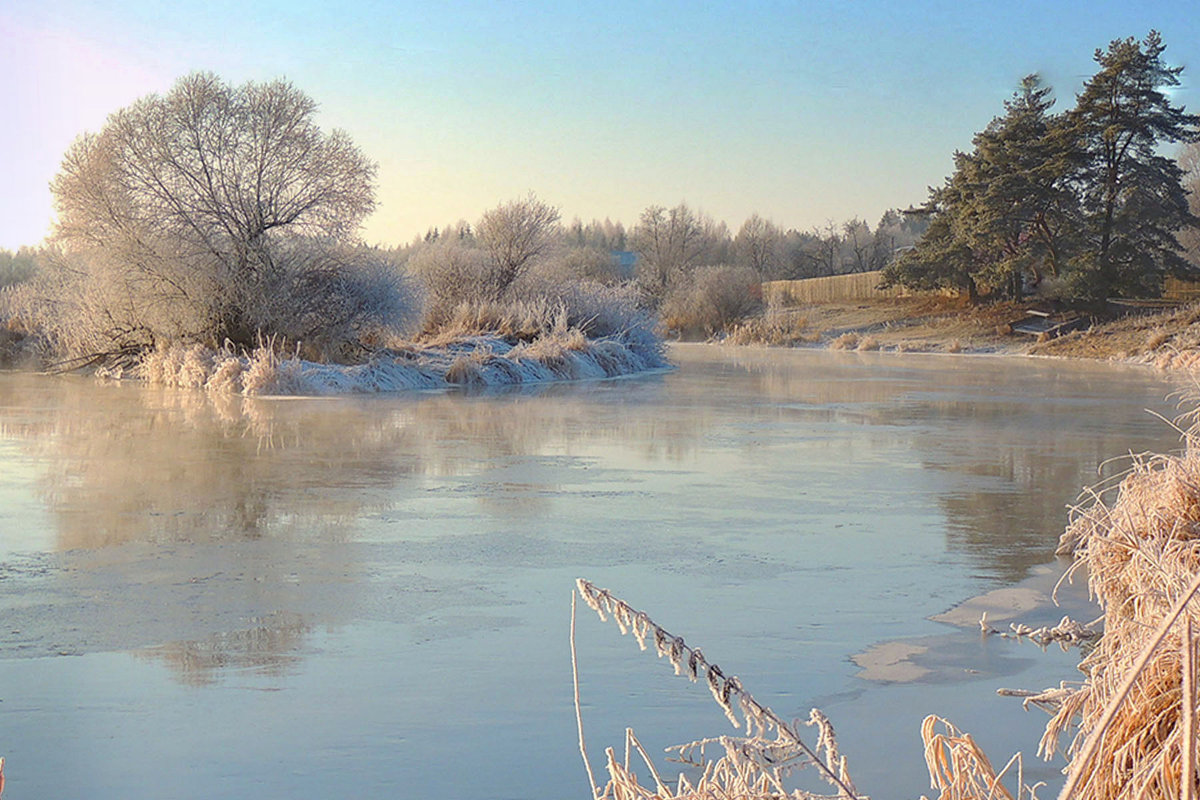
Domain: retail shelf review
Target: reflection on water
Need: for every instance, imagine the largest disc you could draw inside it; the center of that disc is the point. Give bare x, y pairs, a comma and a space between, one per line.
395, 569
269, 647
1017, 439
127, 464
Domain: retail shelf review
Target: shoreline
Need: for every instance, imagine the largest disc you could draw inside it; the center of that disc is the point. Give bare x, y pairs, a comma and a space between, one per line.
471, 362
1166, 339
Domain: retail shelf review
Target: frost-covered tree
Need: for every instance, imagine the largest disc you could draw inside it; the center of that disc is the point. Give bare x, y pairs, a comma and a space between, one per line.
671, 243
216, 213
19, 267
452, 274
516, 235
758, 245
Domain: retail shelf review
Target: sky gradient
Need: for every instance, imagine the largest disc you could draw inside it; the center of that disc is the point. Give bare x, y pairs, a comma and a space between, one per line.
805, 112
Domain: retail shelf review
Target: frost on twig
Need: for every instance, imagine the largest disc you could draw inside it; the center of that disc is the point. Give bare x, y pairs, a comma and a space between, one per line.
1067, 633
751, 766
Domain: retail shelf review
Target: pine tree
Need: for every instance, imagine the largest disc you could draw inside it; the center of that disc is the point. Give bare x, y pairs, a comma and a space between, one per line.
1133, 202
1000, 218
1020, 204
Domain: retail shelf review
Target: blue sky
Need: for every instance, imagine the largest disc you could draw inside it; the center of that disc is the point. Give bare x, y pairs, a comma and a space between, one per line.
804, 112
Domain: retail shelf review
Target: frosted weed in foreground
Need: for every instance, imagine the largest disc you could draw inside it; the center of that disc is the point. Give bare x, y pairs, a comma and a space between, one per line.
753, 766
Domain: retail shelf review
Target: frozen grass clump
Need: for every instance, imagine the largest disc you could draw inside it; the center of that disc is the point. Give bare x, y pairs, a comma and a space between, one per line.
775, 328
867, 343
847, 341
468, 361
1177, 359
1134, 716
576, 315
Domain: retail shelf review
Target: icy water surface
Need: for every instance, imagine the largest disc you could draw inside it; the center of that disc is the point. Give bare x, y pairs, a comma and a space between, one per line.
369, 597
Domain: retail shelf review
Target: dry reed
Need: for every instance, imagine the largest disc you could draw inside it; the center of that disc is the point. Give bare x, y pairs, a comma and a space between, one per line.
1134, 715
1177, 359
1067, 633
775, 328
960, 770
847, 341
1157, 338
867, 343
751, 767
1129, 728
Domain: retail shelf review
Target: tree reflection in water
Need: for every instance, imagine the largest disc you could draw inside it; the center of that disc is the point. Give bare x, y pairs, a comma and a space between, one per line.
239, 518
1017, 440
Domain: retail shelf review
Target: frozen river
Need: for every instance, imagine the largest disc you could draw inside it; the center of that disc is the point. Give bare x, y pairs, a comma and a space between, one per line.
369, 596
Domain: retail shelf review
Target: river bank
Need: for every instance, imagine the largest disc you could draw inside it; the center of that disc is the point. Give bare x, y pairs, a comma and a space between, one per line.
933, 324
484, 360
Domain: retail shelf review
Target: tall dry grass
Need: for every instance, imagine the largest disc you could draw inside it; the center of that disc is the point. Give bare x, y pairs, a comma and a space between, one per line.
775, 328
1130, 728
960, 770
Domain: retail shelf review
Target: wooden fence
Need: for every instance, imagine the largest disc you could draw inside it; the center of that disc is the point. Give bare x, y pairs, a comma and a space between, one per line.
1182, 290
834, 289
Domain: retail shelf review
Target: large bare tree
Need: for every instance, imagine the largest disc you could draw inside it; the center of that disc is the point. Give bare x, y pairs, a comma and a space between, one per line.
210, 211
671, 243
758, 245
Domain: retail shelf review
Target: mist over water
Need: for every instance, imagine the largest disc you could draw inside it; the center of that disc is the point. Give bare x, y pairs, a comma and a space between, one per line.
369, 596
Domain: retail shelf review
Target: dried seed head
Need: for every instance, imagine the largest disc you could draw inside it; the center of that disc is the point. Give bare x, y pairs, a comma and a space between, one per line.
661, 642
621, 615
641, 628
696, 664
676, 650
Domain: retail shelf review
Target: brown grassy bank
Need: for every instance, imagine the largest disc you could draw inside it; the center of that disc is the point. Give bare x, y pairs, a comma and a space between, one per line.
1167, 338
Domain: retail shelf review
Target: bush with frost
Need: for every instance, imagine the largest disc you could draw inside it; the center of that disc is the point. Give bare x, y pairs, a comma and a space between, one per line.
712, 299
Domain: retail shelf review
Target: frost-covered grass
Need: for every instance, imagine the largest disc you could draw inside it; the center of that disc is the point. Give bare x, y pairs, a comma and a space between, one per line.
469, 360
549, 330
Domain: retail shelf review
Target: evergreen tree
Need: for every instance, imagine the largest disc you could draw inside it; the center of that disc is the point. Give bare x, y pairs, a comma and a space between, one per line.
1133, 202
1085, 193
999, 219
941, 259
1017, 201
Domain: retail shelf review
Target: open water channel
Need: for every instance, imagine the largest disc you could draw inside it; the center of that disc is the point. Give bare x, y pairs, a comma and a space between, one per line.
369, 596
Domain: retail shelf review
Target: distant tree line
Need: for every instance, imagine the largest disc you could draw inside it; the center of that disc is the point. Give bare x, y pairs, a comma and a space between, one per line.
1081, 204
685, 265
21, 266
670, 242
